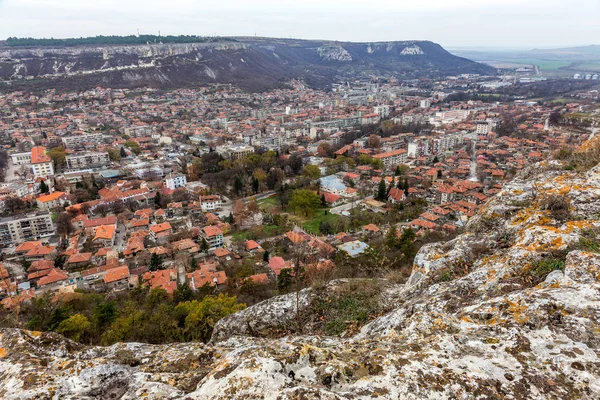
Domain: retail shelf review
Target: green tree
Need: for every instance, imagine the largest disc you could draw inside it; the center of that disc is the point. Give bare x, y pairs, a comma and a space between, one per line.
406, 243
200, 317
381, 191
323, 201
114, 154
43, 187
122, 152
183, 293
74, 327
391, 239
284, 280
402, 169
193, 264
238, 186
58, 156
312, 171
376, 163
104, 313
133, 146
266, 256
156, 262
436, 160
305, 202
255, 185
204, 245
58, 315
365, 159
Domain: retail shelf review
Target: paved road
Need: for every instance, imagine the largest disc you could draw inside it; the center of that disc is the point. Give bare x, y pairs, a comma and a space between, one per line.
120, 241
10, 171
259, 196
345, 207
227, 206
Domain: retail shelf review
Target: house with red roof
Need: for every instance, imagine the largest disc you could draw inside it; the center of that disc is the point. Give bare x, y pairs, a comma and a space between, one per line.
253, 247
160, 233
117, 278
331, 199
52, 200
54, 277
105, 236
78, 260
222, 254
206, 275
396, 196
213, 236
276, 264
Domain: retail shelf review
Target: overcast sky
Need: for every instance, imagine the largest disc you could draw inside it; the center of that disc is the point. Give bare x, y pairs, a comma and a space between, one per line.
513, 23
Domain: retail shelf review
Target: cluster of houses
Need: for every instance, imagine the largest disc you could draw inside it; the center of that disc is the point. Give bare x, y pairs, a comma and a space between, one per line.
139, 143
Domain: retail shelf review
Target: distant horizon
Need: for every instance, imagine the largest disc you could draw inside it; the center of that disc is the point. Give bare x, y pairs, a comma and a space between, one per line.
447, 47
459, 23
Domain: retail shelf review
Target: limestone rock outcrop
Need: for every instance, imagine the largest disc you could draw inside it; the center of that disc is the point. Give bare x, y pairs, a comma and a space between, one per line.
510, 309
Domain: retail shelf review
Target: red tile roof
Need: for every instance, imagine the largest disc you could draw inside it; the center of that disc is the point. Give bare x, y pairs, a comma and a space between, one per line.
55, 275
38, 155
211, 231
116, 274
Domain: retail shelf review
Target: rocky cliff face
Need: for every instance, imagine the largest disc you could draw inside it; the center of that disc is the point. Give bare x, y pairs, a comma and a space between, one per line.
251, 63
510, 309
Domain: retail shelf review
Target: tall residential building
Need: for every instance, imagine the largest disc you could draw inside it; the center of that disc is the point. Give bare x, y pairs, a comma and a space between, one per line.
392, 158
41, 163
80, 141
138, 130
213, 236
17, 229
87, 160
235, 151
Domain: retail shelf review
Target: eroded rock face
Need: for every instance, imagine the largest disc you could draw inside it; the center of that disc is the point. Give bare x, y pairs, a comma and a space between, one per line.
473, 321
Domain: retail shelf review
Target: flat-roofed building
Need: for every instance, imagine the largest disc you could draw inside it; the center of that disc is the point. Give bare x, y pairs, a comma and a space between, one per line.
87, 160
17, 229
21, 158
235, 151
175, 181
80, 141
392, 158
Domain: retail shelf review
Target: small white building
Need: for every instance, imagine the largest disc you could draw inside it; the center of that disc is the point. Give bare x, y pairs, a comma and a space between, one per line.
210, 203
175, 181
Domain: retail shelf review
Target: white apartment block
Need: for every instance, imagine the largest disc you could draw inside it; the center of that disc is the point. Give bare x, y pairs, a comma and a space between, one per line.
448, 142
42, 170
87, 160
235, 151
21, 158
391, 159
80, 141
175, 181
383, 111
41, 163
17, 229
138, 131
483, 128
